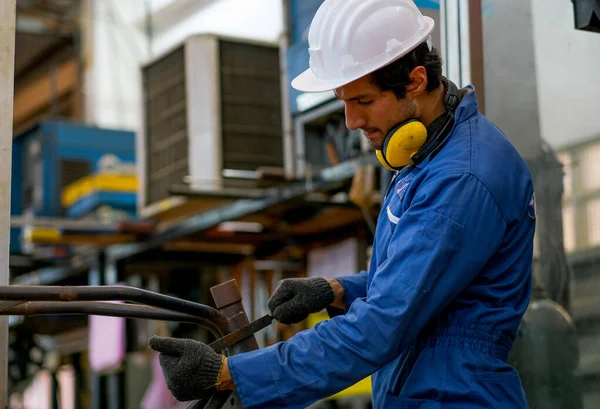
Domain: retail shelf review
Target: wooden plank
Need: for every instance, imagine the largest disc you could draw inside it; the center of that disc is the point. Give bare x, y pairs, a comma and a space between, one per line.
208, 247
327, 219
97, 239
188, 208
64, 106
37, 95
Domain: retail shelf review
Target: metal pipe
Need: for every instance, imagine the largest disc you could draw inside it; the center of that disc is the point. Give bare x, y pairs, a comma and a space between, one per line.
109, 309
115, 293
288, 126
476, 47
7, 81
60, 223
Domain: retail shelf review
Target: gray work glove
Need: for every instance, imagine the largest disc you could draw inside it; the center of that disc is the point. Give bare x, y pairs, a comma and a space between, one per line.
296, 298
191, 368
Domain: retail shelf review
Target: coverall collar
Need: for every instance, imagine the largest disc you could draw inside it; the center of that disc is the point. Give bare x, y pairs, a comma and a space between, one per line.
467, 107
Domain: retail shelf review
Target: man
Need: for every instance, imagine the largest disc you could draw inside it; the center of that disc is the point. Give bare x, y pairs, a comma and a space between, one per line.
435, 317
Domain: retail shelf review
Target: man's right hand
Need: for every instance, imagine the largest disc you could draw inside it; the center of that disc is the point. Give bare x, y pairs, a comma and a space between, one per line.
296, 298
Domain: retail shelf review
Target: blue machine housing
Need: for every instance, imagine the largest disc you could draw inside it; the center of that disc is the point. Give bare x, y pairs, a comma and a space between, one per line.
124, 201
54, 154
301, 15
297, 62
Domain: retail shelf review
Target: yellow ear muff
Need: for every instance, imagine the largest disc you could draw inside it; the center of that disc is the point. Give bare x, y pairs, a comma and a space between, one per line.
382, 160
401, 144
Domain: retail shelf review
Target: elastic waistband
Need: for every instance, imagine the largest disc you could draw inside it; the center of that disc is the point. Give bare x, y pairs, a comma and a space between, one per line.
473, 337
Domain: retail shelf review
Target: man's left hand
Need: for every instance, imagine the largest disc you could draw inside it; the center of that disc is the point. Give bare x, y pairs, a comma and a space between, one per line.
191, 368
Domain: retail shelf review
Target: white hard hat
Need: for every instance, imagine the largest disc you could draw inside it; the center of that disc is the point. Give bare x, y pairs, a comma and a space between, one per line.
348, 39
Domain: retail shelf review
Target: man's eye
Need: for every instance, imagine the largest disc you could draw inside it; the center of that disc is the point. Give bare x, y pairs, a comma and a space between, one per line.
364, 102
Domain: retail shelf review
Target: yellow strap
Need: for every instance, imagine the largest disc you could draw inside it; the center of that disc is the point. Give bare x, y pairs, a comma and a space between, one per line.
219, 374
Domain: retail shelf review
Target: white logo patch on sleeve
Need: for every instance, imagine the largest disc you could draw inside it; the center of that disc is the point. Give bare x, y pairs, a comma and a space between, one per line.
531, 208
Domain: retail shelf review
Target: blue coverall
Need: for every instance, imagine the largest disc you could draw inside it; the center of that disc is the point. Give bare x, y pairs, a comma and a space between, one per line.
435, 317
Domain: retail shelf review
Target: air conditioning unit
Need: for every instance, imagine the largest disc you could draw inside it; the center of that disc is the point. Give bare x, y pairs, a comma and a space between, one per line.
212, 120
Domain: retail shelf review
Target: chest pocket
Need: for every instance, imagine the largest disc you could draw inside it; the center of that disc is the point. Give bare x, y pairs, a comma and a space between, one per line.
395, 206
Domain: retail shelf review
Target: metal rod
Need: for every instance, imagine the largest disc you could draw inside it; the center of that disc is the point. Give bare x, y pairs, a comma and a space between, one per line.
109, 309
7, 81
218, 400
149, 28
222, 193
476, 47
60, 223
115, 293
286, 110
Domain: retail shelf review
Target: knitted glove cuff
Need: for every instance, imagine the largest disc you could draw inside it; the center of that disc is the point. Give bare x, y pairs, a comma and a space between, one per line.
218, 382
323, 290
211, 369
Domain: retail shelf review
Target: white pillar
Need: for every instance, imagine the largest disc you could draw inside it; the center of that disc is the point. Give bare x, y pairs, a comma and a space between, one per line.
7, 76
455, 45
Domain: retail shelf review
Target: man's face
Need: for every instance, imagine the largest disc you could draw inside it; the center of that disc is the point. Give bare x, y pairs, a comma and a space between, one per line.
373, 111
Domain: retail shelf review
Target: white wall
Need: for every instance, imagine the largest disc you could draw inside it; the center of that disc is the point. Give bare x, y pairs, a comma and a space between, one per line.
510, 82
119, 46
568, 73
112, 85
256, 19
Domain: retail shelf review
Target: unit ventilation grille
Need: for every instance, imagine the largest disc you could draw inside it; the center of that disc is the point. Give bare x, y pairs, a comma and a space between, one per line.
165, 125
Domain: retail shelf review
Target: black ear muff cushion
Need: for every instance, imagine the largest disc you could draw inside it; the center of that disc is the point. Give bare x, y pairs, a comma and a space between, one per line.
382, 160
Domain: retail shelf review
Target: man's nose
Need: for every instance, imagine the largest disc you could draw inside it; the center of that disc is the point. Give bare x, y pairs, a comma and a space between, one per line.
354, 118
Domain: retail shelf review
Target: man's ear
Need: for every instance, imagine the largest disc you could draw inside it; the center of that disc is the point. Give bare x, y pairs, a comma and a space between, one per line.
418, 81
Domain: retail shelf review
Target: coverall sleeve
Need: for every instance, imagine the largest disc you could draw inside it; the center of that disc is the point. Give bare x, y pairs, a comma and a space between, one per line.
355, 286
439, 244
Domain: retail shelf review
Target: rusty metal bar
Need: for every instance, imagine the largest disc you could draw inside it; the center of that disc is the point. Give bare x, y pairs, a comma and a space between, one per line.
106, 309
476, 47
69, 294
241, 334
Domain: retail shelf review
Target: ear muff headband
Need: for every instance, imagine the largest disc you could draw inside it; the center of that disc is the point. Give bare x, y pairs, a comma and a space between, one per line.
408, 141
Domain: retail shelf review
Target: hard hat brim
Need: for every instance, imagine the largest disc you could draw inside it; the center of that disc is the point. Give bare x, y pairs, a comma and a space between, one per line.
308, 82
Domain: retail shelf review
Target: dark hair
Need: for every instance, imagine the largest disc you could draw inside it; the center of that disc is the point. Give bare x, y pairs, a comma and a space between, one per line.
394, 77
